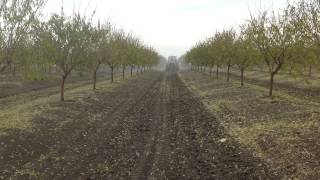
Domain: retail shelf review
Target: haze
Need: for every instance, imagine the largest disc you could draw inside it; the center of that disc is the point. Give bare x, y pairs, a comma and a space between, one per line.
170, 26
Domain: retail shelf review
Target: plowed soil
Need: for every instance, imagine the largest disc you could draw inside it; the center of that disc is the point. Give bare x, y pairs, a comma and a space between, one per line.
152, 127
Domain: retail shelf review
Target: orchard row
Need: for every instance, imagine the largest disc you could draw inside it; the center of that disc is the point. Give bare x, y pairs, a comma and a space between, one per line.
287, 41
33, 46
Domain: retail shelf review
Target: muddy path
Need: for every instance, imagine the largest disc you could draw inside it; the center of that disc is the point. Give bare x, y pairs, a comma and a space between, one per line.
149, 128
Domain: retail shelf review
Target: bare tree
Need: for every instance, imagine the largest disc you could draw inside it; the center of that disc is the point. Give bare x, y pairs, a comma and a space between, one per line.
64, 41
16, 19
98, 39
245, 52
115, 48
306, 20
272, 36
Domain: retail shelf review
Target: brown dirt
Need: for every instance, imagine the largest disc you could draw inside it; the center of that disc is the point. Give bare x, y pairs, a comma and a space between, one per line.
25, 91
312, 94
285, 133
10, 86
149, 128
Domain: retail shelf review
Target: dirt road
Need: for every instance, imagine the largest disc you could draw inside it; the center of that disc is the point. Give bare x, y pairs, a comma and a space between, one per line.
149, 128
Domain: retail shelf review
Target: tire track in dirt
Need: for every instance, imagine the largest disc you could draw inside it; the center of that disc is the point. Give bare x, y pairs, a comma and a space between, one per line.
195, 145
80, 137
111, 142
187, 143
150, 128
154, 142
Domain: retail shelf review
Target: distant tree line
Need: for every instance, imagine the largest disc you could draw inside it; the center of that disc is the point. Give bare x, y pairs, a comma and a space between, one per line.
65, 44
287, 41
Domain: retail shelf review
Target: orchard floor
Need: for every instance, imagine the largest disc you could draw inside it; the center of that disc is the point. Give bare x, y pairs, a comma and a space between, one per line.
13, 86
150, 127
284, 130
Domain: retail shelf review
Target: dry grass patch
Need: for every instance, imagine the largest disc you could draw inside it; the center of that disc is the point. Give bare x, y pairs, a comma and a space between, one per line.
284, 131
24, 108
289, 146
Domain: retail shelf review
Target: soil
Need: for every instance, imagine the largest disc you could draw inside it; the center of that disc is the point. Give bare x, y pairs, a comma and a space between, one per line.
285, 133
18, 91
312, 94
11, 86
151, 127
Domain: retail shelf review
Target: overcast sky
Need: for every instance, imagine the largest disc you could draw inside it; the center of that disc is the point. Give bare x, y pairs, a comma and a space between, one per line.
170, 26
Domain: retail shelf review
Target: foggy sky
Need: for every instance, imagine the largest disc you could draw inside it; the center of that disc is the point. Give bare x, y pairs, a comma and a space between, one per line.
170, 26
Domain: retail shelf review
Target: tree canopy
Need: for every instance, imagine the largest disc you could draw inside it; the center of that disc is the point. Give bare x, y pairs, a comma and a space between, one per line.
279, 41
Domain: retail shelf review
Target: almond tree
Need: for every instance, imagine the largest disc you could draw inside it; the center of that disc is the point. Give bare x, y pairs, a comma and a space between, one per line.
64, 41
225, 42
16, 19
98, 39
246, 54
201, 56
30, 59
273, 36
135, 49
151, 56
306, 20
219, 50
114, 51
215, 51
125, 55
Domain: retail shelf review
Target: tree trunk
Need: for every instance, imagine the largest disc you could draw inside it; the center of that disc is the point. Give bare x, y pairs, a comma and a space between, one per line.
291, 69
310, 70
131, 71
228, 73
14, 71
123, 71
62, 87
4, 65
242, 77
271, 84
211, 71
112, 68
94, 79
217, 73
